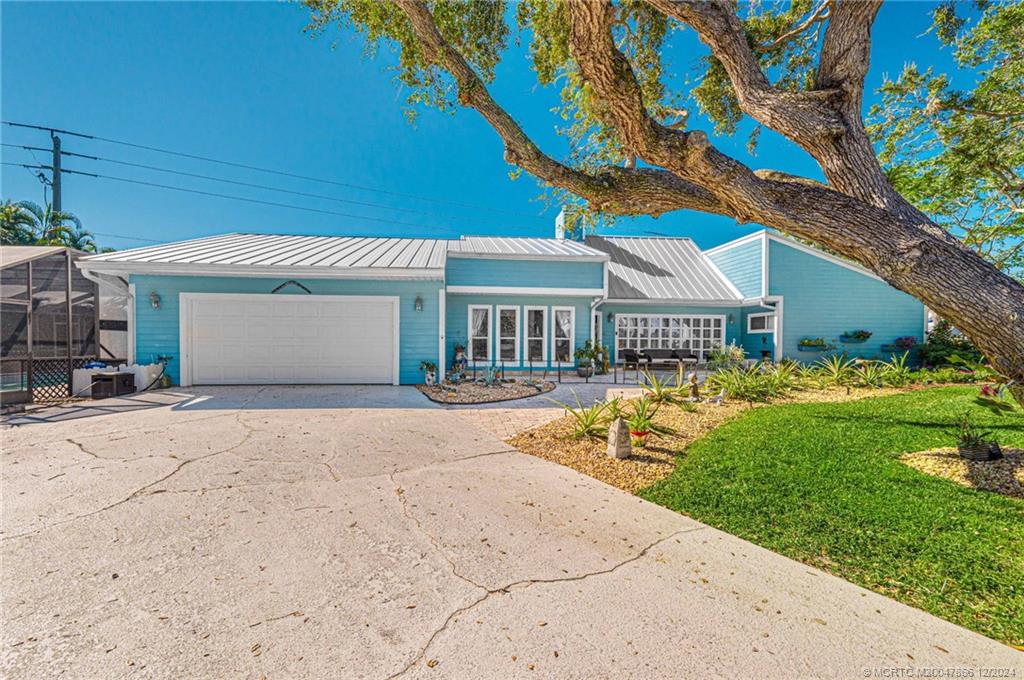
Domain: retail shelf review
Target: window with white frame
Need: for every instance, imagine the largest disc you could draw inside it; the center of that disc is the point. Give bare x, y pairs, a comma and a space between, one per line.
762, 322
563, 334
508, 334
536, 334
698, 334
479, 333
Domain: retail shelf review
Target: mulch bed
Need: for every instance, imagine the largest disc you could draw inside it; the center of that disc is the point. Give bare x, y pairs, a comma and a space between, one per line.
1004, 476
554, 441
477, 393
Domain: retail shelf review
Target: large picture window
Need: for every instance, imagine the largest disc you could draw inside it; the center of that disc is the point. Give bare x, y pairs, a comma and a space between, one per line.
508, 334
564, 334
699, 334
536, 334
479, 334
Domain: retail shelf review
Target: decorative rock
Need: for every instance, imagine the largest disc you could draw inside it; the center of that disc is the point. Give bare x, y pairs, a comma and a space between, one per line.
618, 440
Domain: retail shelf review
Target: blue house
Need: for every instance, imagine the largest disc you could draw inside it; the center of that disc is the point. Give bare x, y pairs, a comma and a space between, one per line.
263, 309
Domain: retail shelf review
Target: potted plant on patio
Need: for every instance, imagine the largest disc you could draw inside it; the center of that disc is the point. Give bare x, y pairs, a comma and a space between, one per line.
972, 443
585, 359
429, 369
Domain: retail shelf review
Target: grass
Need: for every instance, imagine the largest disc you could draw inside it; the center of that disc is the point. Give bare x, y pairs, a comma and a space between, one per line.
821, 483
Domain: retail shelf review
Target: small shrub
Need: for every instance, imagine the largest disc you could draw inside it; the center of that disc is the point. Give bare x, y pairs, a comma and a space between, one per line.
782, 378
613, 409
967, 434
811, 377
726, 356
943, 343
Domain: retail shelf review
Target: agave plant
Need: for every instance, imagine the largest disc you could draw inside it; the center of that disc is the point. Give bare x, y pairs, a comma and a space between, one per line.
870, 374
588, 421
747, 384
659, 391
896, 371
836, 370
781, 378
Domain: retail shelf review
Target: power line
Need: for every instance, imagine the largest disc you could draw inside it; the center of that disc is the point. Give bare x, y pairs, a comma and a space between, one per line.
282, 173
263, 187
227, 196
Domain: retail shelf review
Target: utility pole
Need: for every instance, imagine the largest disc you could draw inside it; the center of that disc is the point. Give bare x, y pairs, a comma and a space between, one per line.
55, 183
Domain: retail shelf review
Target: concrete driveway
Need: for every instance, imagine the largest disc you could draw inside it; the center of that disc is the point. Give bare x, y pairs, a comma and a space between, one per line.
362, 532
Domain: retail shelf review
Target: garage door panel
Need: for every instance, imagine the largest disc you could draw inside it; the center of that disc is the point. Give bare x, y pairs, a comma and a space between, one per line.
291, 340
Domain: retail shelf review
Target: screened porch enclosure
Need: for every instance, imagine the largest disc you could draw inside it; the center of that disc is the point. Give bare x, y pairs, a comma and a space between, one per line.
49, 323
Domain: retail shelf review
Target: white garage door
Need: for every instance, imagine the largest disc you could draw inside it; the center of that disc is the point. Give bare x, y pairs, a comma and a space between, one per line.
288, 339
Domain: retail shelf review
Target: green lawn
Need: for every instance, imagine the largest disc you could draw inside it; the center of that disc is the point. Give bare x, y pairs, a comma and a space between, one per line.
821, 483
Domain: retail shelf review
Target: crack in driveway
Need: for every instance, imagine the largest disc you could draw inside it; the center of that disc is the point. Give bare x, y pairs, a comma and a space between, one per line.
524, 583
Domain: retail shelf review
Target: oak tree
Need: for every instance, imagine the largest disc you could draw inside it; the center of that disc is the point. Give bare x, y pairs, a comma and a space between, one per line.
796, 68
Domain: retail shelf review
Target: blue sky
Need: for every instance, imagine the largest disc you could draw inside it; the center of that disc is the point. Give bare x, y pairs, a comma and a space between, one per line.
243, 82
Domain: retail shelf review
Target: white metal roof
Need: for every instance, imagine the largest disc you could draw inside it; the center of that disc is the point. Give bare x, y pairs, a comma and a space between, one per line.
257, 254
523, 248
643, 268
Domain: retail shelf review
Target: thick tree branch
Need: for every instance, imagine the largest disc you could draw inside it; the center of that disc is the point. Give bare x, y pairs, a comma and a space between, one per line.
846, 51
627, 191
804, 117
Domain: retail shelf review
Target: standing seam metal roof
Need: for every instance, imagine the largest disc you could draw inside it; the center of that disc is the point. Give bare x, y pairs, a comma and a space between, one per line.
293, 251
649, 268
526, 247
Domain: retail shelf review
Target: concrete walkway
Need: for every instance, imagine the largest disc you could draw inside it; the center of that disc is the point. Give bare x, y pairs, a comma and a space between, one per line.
333, 532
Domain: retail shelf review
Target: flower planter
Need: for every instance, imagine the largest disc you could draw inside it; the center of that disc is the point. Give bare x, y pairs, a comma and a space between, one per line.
897, 349
638, 438
981, 452
584, 371
814, 348
851, 339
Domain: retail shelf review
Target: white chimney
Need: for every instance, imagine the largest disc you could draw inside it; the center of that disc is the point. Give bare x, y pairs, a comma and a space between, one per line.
560, 225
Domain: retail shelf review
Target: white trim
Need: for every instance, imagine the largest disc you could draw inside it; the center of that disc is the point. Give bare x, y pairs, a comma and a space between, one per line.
527, 256
185, 323
131, 324
770, 327
604, 285
441, 306
264, 271
796, 245
780, 318
469, 335
523, 290
526, 333
764, 264
927, 313
802, 247
498, 309
735, 242
571, 338
676, 303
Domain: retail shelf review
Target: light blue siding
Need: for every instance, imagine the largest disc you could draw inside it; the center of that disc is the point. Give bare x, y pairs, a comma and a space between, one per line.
742, 265
462, 271
755, 343
823, 299
157, 329
457, 321
732, 328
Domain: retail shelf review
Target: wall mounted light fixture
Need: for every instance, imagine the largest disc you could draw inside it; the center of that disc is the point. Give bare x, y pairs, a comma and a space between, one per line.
154, 300
418, 304
732, 319
611, 317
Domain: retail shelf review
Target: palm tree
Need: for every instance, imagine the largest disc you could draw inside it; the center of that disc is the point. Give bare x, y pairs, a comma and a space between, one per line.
80, 239
50, 227
16, 225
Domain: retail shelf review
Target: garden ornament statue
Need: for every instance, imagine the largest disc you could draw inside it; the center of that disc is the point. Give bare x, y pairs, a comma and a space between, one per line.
694, 387
719, 399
